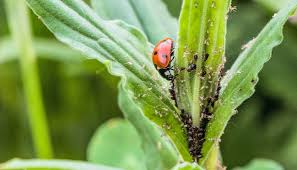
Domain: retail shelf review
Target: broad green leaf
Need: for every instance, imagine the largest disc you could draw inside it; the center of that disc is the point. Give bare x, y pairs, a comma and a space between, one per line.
116, 143
261, 164
125, 50
37, 164
45, 48
159, 154
239, 82
187, 166
151, 16
202, 30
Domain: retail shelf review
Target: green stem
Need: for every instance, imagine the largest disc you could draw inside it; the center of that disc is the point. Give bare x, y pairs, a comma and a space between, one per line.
18, 18
191, 37
201, 42
196, 100
202, 30
212, 161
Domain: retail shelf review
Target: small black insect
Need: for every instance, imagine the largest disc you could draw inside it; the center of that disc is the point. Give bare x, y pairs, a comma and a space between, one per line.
191, 67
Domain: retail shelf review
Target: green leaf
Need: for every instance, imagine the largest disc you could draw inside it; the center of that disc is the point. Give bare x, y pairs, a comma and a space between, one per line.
187, 166
45, 48
239, 82
116, 143
261, 164
159, 153
151, 16
201, 33
125, 50
35, 164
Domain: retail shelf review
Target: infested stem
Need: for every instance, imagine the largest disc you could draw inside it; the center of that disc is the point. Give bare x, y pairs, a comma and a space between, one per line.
201, 41
196, 100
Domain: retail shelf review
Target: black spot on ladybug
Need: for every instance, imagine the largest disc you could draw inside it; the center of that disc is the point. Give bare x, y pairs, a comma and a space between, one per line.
155, 52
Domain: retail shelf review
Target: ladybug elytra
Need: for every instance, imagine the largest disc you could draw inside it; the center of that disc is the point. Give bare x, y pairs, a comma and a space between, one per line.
162, 57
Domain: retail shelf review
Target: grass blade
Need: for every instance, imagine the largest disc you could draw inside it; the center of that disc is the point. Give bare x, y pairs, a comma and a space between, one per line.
18, 17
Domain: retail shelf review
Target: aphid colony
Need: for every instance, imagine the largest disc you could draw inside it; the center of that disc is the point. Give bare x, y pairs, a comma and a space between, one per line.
163, 57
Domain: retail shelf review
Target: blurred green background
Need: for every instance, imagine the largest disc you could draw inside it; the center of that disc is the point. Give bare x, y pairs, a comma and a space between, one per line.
79, 95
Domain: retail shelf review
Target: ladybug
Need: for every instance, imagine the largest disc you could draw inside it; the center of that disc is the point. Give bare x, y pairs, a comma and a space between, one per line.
162, 57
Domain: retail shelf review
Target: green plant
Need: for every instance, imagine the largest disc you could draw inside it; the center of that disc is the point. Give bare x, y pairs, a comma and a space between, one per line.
23, 41
209, 101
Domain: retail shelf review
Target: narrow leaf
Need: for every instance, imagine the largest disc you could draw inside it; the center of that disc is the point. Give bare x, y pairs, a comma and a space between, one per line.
33, 164
239, 82
18, 17
151, 16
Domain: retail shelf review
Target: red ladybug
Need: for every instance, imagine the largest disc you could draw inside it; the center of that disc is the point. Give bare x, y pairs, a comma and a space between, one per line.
162, 57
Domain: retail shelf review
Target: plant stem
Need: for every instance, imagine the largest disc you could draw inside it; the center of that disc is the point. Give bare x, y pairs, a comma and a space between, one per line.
200, 45
19, 22
212, 161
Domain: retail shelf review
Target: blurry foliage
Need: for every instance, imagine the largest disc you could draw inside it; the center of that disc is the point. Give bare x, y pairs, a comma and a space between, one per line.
261, 164
78, 97
74, 108
128, 156
267, 120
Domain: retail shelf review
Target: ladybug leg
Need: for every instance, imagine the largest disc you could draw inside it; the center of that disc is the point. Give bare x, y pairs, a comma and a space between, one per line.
173, 76
171, 53
165, 73
176, 73
172, 56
